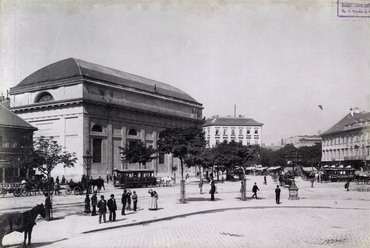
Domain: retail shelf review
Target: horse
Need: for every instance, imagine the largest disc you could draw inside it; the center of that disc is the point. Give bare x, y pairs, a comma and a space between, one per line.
20, 222
99, 183
167, 180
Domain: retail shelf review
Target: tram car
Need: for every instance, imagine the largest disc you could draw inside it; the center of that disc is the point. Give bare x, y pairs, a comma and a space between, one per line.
338, 173
135, 178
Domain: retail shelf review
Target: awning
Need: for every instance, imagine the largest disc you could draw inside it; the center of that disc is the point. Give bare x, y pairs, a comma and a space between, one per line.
309, 169
274, 168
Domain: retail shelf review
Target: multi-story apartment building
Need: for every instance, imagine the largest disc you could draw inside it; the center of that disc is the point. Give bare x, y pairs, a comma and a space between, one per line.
348, 141
302, 140
244, 130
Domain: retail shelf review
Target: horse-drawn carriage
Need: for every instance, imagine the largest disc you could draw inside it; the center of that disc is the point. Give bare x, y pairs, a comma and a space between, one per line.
11, 188
77, 188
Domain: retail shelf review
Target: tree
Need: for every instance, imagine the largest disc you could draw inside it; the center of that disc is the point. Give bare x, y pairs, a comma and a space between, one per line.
137, 152
45, 155
182, 143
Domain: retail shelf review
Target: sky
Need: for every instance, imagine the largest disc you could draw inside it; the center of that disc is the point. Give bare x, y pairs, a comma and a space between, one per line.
276, 61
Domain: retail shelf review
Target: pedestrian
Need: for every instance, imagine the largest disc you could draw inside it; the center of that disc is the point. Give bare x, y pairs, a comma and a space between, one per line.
242, 188
346, 186
112, 206
57, 189
94, 202
277, 194
107, 178
154, 202
134, 200
264, 180
48, 207
57, 180
255, 189
187, 178
200, 186
128, 196
312, 180
124, 201
212, 191
102, 205
63, 180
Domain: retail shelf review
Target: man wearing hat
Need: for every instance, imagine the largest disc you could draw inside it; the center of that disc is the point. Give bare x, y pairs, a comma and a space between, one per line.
112, 206
102, 205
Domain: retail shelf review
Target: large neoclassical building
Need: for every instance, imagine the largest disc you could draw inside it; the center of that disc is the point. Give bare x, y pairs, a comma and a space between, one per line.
89, 107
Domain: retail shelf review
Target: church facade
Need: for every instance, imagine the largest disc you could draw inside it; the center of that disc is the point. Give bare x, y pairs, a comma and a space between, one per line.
89, 108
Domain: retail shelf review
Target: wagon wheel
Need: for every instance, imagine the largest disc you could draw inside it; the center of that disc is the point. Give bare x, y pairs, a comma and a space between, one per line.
2, 193
68, 190
77, 190
23, 192
17, 192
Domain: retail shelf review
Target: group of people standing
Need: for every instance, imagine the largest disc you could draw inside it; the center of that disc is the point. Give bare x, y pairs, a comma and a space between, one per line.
111, 205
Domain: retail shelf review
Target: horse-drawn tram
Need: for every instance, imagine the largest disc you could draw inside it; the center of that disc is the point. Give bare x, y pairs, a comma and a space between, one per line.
338, 173
134, 178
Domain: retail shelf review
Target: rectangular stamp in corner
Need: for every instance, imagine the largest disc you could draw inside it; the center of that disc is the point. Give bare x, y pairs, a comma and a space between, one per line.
353, 8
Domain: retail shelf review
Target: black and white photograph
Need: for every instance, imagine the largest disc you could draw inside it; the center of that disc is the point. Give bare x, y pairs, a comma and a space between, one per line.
185, 124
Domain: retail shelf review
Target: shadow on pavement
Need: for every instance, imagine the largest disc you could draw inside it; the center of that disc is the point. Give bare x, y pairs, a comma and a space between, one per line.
40, 244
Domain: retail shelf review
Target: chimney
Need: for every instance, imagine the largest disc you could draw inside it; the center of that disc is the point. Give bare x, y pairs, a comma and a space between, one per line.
351, 111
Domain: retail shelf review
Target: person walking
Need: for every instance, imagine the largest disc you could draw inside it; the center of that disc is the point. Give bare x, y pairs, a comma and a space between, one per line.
277, 194
134, 200
312, 180
94, 202
346, 186
255, 189
242, 188
112, 206
123, 201
102, 205
212, 190
200, 186
264, 180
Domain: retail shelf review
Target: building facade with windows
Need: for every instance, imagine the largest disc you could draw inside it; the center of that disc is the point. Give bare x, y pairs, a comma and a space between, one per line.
244, 130
15, 135
348, 141
89, 107
302, 140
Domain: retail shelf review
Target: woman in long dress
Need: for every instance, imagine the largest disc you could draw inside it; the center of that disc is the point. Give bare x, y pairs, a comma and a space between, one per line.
154, 201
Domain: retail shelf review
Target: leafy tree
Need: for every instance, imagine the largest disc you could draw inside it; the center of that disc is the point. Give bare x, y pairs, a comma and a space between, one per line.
137, 152
182, 143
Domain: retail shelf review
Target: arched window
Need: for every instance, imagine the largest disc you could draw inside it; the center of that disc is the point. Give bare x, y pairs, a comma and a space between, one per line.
97, 128
132, 132
44, 97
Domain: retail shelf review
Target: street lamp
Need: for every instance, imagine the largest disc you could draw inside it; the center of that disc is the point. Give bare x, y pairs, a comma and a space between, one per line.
293, 189
87, 160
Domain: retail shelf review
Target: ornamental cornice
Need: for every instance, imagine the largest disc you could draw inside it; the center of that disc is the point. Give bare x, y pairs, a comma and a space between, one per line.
44, 105
46, 85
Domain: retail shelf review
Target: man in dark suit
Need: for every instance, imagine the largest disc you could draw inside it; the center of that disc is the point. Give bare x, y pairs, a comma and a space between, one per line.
277, 194
124, 200
112, 206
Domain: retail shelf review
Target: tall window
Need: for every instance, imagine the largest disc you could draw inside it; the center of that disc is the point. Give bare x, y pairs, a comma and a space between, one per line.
161, 158
97, 150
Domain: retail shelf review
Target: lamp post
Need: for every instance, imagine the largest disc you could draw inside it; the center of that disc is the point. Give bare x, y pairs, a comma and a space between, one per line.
87, 160
293, 189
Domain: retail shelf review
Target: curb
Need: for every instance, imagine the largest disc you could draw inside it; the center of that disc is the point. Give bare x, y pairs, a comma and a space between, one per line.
209, 211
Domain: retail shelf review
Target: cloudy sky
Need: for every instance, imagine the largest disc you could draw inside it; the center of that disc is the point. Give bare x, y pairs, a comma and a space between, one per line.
275, 60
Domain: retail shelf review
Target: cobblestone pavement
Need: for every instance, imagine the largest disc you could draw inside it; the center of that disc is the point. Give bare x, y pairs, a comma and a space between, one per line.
308, 227
325, 216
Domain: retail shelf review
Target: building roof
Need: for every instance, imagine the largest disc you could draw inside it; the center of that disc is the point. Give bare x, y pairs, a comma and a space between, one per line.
72, 68
349, 122
11, 120
231, 121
